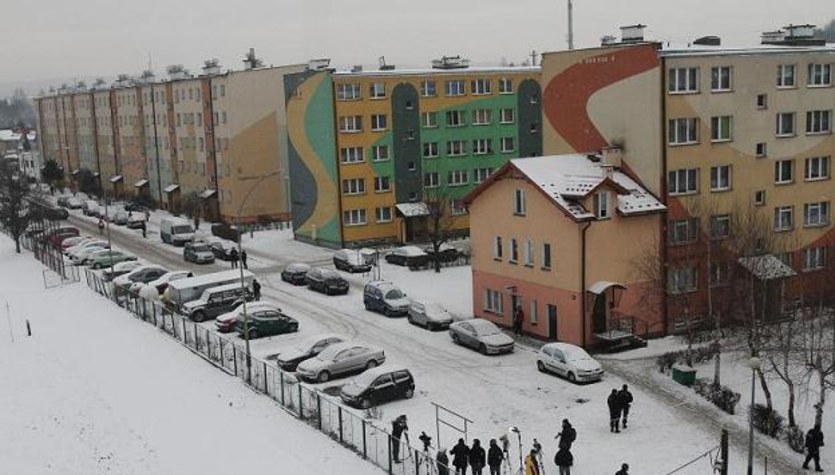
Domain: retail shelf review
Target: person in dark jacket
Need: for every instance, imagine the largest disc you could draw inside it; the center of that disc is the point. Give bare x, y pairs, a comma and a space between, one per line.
624, 470
495, 457
442, 461
564, 460
625, 400
460, 453
614, 411
233, 257
567, 436
518, 319
256, 289
398, 426
243, 259
143, 228
477, 457
814, 442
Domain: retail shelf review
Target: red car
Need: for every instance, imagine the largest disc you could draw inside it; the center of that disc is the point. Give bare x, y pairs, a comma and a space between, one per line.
56, 239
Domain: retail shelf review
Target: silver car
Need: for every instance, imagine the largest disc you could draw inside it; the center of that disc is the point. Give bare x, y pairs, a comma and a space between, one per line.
483, 335
429, 315
290, 359
340, 359
569, 361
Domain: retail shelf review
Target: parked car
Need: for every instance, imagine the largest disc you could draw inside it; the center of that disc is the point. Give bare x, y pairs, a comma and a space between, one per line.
161, 283
73, 241
55, 240
446, 253
326, 281
121, 268
119, 217
216, 301
135, 220
569, 361
89, 207
266, 322
483, 335
73, 203
144, 274
225, 232
55, 214
186, 290
221, 248
225, 323
295, 273
100, 261
409, 256
429, 315
350, 261
378, 385
62, 200
81, 245
176, 231
340, 359
80, 256
198, 252
135, 207
289, 359
386, 298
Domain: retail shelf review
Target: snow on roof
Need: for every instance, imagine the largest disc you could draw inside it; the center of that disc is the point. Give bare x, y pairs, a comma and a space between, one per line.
690, 49
437, 72
170, 188
766, 267
567, 178
8, 135
411, 210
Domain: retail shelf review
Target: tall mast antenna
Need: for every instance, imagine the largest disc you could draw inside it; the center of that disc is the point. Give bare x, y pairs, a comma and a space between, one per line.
570, 25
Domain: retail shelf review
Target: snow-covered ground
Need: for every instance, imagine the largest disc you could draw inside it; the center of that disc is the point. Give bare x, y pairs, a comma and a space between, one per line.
94, 391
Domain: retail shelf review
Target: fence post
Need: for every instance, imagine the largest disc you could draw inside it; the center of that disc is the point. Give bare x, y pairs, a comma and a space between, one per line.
417, 462
301, 403
390, 461
154, 307
723, 445
264, 364
235, 358
319, 409
364, 444
339, 414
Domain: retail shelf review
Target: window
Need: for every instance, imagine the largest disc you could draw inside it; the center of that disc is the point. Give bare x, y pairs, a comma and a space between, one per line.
684, 80
455, 118
379, 153
785, 124
382, 184
783, 171
762, 101
482, 116
601, 205
350, 124
222, 115
458, 177
353, 186
514, 250
348, 92
683, 182
506, 144
534, 308
718, 274
353, 217
721, 128
720, 79
720, 178
682, 280
481, 174
505, 86
820, 75
783, 218
814, 258
816, 214
482, 146
429, 119
682, 231
480, 86
351, 155
817, 168
427, 89
785, 75
411, 166
456, 148
379, 122
431, 180
761, 149
506, 116
377, 90
383, 214
683, 131
456, 88
493, 301
519, 202
497, 247
430, 149
818, 122
720, 226
759, 197
457, 208
529, 253
546, 255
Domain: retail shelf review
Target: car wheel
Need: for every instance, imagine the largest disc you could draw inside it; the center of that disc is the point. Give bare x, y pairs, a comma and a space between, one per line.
410, 319
365, 403
294, 328
96, 266
455, 339
367, 307
253, 333
540, 366
387, 312
198, 317
324, 377
409, 393
370, 364
482, 348
572, 378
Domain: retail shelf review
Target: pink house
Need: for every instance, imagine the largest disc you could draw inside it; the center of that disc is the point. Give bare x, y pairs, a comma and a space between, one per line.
564, 238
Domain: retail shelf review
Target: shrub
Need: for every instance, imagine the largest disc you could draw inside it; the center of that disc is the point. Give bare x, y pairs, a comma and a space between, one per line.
721, 396
700, 354
766, 420
796, 439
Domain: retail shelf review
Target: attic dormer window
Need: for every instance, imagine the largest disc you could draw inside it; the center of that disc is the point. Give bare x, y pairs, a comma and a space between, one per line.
601, 205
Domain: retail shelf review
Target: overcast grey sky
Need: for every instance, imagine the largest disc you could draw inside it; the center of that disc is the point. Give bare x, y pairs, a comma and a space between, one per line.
82, 38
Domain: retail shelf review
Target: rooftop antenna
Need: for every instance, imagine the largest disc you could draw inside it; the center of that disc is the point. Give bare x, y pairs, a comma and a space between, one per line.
533, 58
570, 25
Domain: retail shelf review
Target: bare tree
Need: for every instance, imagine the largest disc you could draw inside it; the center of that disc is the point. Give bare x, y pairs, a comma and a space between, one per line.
192, 206
440, 221
15, 212
818, 343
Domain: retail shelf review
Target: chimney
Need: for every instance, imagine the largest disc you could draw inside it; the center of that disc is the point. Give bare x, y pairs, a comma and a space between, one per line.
612, 156
608, 40
632, 33
708, 41
793, 35
211, 67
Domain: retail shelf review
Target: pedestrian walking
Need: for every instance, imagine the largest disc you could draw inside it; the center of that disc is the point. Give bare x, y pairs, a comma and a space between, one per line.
625, 400
243, 259
256, 289
567, 436
442, 462
233, 257
144, 229
564, 460
101, 226
477, 457
495, 457
460, 453
614, 411
147, 215
518, 318
398, 427
531, 464
624, 470
814, 442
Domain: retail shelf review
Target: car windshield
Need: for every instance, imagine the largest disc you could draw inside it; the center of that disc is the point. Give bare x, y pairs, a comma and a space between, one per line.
394, 294
329, 353
575, 354
181, 229
484, 328
202, 248
298, 268
365, 379
435, 310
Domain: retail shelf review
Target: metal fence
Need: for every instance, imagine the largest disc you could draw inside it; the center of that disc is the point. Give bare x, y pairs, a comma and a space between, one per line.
352, 429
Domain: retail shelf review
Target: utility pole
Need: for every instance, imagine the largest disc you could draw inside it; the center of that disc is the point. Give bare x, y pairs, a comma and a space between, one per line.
723, 450
570, 25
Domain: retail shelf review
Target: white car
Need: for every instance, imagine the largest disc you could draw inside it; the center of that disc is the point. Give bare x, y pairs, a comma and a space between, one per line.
569, 361
429, 315
146, 273
82, 255
120, 269
226, 323
161, 283
84, 244
289, 359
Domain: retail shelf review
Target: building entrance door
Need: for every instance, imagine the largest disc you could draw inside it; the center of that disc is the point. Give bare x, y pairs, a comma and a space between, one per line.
599, 313
552, 321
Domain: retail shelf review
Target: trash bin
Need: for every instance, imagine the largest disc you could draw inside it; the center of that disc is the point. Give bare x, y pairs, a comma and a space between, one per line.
683, 374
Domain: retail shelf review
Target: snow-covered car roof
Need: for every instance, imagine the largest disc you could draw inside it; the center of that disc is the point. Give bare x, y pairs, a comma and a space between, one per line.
297, 267
481, 326
409, 251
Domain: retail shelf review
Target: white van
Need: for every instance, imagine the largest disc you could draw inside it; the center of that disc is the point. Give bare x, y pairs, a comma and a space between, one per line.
185, 290
176, 231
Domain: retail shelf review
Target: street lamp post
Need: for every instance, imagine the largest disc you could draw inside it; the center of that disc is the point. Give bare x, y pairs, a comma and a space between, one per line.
754, 364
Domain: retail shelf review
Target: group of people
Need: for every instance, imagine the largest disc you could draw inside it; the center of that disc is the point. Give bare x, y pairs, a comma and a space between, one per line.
234, 257
619, 403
